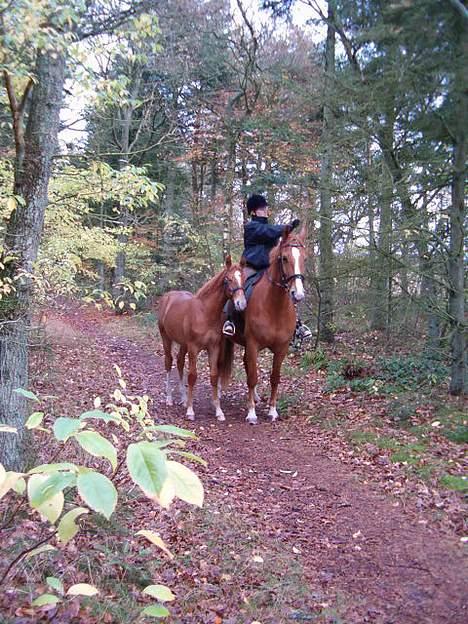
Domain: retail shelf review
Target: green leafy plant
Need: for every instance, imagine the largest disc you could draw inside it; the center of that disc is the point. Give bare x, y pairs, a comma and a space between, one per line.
64, 492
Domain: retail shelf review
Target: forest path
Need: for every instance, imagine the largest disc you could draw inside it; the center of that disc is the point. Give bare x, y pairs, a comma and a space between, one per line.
364, 558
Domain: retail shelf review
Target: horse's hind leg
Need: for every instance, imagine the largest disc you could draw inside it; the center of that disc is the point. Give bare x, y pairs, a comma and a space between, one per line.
167, 344
274, 381
182, 379
192, 378
215, 383
257, 397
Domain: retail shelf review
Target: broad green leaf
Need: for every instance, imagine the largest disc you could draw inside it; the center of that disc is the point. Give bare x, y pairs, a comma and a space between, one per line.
82, 589
191, 456
65, 427
39, 550
43, 487
34, 420
67, 529
160, 592
99, 415
27, 394
186, 483
95, 444
156, 540
45, 599
9, 482
98, 492
8, 429
55, 583
158, 611
46, 468
20, 486
173, 430
147, 466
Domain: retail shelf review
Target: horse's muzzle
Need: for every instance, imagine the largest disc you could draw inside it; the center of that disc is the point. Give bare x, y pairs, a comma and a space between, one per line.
240, 303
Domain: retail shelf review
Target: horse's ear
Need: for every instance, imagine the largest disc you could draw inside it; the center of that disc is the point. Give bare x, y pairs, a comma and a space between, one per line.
228, 261
286, 233
243, 262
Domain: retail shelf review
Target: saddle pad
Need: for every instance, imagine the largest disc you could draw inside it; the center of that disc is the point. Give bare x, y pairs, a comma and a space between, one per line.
250, 283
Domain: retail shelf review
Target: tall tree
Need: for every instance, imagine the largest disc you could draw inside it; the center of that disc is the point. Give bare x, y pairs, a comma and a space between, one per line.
36, 52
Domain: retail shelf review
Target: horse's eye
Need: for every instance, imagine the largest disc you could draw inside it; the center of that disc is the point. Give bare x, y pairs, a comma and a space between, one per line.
285, 258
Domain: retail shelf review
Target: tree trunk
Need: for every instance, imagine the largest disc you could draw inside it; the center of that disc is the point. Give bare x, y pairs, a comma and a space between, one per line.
24, 232
456, 303
380, 286
326, 264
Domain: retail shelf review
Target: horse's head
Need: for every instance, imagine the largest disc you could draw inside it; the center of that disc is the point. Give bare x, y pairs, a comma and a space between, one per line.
234, 284
291, 255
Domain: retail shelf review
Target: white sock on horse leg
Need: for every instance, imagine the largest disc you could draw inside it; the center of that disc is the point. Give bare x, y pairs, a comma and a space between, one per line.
168, 389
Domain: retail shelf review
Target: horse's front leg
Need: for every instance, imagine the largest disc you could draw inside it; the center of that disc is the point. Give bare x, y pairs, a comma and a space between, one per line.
250, 363
192, 378
278, 358
213, 356
257, 398
180, 367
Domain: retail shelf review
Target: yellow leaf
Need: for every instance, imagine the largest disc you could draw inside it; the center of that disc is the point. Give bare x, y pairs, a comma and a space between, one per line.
82, 589
156, 540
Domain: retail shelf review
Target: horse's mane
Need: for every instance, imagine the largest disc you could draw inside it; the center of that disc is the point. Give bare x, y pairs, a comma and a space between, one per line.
275, 250
212, 285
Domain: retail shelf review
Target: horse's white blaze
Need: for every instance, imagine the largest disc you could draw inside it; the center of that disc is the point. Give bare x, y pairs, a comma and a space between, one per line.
273, 413
298, 285
168, 389
239, 298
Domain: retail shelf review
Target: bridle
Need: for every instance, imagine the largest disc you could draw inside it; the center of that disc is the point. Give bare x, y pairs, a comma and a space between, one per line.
229, 289
285, 279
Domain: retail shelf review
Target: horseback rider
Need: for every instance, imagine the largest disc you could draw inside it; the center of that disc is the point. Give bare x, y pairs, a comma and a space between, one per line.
259, 239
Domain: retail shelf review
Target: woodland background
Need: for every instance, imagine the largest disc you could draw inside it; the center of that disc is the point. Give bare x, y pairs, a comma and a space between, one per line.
349, 115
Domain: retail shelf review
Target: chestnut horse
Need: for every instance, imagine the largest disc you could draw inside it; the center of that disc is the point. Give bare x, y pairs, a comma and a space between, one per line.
270, 318
194, 322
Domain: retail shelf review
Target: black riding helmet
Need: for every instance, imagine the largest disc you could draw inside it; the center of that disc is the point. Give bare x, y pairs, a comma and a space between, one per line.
256, 201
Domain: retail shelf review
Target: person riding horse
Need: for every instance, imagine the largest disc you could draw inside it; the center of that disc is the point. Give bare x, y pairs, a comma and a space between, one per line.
259, 239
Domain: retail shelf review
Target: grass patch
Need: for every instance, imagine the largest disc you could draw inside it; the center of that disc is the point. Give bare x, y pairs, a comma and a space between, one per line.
368, 437
451, 482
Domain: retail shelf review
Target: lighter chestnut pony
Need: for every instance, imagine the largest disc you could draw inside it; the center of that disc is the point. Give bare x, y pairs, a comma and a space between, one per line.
194, 322
270, 318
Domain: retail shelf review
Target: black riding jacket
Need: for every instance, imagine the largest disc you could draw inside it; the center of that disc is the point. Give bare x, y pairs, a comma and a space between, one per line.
259, 238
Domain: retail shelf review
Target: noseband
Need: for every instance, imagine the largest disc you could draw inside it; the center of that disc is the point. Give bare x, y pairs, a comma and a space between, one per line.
285, 279
230, 290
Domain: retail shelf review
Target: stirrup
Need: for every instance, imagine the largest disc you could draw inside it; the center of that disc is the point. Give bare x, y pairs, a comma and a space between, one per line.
229, 329
303, 332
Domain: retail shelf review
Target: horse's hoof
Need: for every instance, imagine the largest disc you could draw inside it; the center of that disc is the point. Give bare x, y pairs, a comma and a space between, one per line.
220, 417
191, 416
273, 414
252, 420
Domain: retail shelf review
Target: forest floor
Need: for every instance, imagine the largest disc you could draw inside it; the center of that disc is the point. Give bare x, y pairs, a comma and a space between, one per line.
334, 514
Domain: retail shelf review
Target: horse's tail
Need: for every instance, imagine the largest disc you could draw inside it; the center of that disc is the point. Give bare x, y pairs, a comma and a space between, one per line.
225, 361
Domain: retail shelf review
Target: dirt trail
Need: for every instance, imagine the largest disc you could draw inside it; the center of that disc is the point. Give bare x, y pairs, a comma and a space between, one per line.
356, 545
